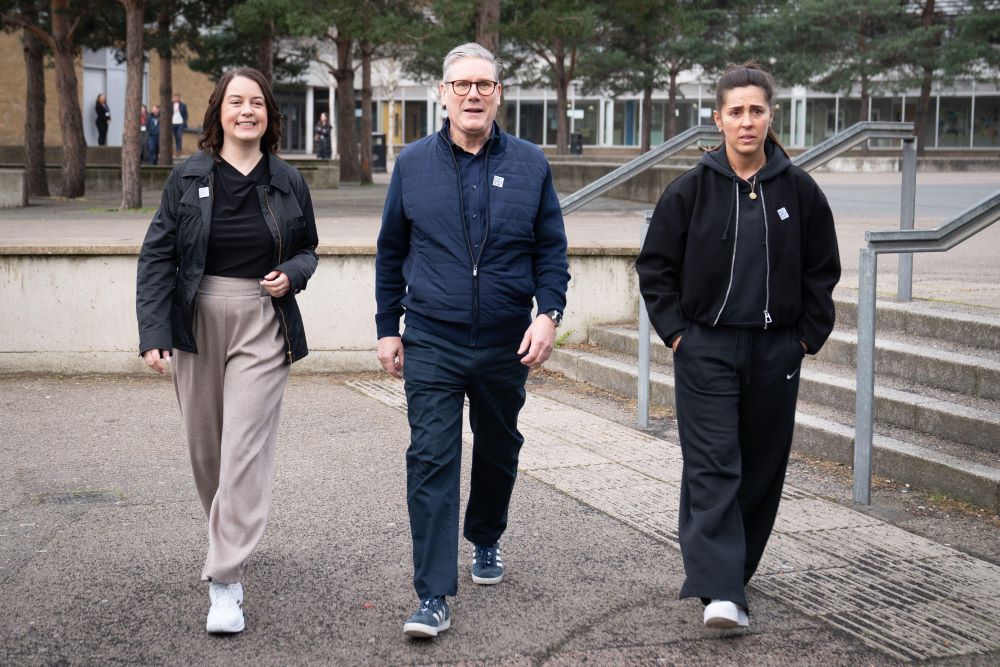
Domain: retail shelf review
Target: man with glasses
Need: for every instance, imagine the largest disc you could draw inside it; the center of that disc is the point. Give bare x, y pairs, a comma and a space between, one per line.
471, 233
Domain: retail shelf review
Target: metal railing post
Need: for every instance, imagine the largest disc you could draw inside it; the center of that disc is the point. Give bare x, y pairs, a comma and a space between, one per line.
907, 211
642, 393
865, 389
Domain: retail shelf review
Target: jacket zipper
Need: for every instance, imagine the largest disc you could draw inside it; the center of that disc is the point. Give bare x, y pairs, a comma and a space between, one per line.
280, 309
732, 264
468, 241
767, 261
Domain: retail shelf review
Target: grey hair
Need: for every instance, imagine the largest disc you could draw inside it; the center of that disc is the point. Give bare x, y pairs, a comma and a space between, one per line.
470, 50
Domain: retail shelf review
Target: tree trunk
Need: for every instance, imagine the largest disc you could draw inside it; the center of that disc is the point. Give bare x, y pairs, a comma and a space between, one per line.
70, 117
131, 146
163, 21
672, 105
561, 81
265, 54
923, 114
488, 24
34, 111
647, 118
366, 113
347, 140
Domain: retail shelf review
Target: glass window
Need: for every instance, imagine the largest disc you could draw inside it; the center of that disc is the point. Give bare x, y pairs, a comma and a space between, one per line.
510, 116
531, 122
820, 120
625, 130
415, 120
987, 128
953, 121
550, 122
588, 125
782, 120
658, 125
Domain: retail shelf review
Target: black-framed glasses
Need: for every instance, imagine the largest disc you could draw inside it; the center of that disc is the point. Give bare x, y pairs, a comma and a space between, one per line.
462, 87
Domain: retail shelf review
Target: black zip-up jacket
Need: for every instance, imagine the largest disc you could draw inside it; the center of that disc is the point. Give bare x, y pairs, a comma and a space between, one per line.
686, 263
172, 259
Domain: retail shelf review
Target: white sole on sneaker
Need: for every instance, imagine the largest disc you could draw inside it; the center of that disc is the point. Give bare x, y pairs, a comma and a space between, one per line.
422, 630
724, 615
229, 627
486, 581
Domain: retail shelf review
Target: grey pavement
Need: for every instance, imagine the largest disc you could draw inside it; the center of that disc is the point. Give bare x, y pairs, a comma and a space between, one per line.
102, 540
349, 217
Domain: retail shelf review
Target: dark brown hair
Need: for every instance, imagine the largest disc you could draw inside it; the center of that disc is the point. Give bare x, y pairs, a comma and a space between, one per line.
212, 136
749, 73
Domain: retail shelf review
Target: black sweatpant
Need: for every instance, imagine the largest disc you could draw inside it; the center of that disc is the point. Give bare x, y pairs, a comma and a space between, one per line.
735, 392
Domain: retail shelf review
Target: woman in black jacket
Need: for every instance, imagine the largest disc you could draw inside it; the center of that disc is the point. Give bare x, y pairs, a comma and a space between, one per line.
737, 273
102, 116
232, 243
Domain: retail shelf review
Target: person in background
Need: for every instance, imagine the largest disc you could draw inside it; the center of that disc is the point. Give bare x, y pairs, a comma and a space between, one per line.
179, 121
737, 273
102, 116
143, 129
472, 233
153, 135
322, 139
234, 240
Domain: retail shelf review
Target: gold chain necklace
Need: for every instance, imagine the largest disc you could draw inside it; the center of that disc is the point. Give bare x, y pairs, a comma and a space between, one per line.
752, 182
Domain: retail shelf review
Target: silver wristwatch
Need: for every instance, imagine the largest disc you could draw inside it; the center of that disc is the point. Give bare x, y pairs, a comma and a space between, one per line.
554, 315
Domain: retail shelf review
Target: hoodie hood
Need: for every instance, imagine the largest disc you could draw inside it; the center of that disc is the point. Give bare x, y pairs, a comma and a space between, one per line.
777, 162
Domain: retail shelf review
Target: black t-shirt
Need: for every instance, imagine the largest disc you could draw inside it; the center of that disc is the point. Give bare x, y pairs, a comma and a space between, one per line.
240, 244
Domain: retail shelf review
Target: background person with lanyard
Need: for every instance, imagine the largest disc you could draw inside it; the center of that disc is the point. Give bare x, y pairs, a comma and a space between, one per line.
737, 272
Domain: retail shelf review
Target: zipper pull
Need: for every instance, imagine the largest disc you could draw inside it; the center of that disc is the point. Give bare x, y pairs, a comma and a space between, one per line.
767, 318
475, 270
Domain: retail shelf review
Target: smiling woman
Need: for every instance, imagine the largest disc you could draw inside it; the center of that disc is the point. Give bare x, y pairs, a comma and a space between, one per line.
234, 239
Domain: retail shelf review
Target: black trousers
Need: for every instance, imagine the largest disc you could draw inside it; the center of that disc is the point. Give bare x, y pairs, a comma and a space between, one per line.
735, 391
438, 375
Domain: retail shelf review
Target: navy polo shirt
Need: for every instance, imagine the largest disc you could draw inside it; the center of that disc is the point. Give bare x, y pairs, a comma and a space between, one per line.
472, 169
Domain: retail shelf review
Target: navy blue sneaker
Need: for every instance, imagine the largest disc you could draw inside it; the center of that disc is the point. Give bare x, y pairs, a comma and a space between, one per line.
487, 565
432, 617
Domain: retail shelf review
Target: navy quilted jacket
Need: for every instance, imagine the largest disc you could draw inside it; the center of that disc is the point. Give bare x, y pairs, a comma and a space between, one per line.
425, 266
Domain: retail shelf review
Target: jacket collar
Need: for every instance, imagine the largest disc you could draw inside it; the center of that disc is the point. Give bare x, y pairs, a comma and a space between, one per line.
200, 165
495, 144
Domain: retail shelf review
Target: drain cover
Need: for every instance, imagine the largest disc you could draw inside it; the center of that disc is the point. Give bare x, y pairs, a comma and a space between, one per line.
81, 498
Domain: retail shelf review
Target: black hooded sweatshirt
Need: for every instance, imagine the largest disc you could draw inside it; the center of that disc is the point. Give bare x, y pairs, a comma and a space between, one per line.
692, 266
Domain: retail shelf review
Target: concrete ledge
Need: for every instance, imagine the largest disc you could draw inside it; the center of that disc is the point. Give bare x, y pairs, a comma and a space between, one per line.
13, 188
318, 175
570, 176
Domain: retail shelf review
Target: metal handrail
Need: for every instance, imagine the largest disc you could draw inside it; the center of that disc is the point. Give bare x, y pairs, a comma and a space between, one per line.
856, 134
637, 165
966, 224
809, 160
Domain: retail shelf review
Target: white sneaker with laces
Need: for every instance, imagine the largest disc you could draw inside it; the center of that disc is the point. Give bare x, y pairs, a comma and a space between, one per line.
226, 614
725, 614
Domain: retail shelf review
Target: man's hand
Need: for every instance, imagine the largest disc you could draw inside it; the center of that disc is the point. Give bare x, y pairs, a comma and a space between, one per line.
276, 283
676, 343
538, 341
390, 355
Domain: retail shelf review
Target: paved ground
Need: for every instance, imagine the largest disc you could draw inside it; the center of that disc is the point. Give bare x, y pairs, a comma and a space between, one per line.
111, 576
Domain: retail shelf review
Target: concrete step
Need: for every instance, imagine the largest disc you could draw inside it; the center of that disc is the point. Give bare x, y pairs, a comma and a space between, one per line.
974, 327
943, 414
922, 360
959, 471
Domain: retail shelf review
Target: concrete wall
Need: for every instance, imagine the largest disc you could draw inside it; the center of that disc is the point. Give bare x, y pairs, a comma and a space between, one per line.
72, 310
13, 188
570, 176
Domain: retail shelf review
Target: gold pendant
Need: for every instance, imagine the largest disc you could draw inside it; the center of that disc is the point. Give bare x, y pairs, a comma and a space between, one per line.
753, 195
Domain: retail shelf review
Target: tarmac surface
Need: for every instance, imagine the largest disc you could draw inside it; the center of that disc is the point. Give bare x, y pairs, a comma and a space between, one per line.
102, 537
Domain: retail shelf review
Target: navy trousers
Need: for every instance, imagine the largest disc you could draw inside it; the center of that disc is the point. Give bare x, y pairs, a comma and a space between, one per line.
438, 375
735, 391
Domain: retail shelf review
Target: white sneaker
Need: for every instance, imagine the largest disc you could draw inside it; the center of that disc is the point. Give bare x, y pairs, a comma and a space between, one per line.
725, 614
226, 614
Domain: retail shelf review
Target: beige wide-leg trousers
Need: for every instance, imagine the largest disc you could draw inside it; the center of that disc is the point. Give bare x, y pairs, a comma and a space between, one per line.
230, 397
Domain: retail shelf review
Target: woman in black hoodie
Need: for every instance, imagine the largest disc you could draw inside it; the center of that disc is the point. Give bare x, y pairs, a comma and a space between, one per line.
737, 273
